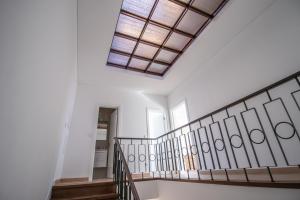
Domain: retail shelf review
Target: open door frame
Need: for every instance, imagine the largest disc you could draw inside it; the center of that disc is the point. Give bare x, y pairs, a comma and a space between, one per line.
94, 134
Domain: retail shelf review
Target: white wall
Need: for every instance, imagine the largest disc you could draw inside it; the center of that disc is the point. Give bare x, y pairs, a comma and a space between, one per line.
168, 190
264, 51
132, 122
147, 189
37, 81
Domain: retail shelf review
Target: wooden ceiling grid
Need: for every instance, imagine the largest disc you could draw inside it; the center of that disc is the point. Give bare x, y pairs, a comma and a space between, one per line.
151, 35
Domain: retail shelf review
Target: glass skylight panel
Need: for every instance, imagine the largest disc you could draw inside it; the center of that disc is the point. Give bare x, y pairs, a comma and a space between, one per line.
117, 59
123, 44
208, 6
129, 26
157, 68
191, 22
167, 12
155, 34
138, 64
151, 34
177, 41
166, 56
145, 50
138, 7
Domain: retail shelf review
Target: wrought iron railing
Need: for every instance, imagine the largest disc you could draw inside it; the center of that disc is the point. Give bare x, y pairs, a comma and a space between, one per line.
260, 130
122, 176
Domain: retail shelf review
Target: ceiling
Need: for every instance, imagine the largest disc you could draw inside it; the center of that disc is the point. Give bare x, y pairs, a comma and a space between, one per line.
151, 35
96, 25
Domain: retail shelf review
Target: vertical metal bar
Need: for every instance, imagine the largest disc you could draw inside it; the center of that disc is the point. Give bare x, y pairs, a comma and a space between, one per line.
246, 174
138, 157
291, 120
129, 192
225, 148
149, 154
270, 173
267, 140
161, 157
180, 144
198, 132
167, 157
171, 152
297, 81
190, 145
248, 134
212, 160
199, 160
211, 175
226, 173
214, 145
156, 155
274, 131
179, 154
125, 187
242, 138
190, 155
175, 160
227, 132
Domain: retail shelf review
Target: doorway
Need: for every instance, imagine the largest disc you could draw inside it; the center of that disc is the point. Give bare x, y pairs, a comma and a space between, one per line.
107, 129
156, 122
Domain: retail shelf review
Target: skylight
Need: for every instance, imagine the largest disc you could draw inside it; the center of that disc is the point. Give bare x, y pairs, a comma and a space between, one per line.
152, 34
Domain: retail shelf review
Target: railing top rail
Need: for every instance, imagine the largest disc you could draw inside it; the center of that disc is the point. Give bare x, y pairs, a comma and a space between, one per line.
293, 76
129, 177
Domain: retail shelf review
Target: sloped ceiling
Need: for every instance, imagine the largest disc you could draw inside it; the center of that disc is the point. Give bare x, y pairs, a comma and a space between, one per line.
96, 25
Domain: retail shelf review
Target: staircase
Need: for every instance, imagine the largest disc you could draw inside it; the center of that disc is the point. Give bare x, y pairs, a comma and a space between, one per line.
96, 190
254, 141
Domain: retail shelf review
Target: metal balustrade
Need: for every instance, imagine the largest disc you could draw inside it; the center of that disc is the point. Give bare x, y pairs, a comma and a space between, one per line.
259, 131
122, 176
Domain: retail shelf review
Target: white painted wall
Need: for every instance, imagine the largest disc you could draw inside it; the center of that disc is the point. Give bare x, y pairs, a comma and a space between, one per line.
147, 189
132, 122
37, 86
168, 190
263, 51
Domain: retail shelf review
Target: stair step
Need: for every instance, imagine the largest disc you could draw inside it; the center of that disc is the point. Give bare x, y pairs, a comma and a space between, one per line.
84, 190
109, 196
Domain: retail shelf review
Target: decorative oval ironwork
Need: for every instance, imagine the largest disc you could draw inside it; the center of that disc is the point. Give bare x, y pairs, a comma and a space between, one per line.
152, 157
236, 136
290, 125
170, 155
194, 150
261, 134
221, 142
184, 151
131, 158
142, 157
177, 153
205, 144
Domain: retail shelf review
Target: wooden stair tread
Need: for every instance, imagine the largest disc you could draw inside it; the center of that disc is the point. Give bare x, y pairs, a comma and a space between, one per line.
83, 184
99, 189
92, 197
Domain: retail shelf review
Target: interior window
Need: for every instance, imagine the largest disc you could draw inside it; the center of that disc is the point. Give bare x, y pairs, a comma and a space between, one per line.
179, 115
